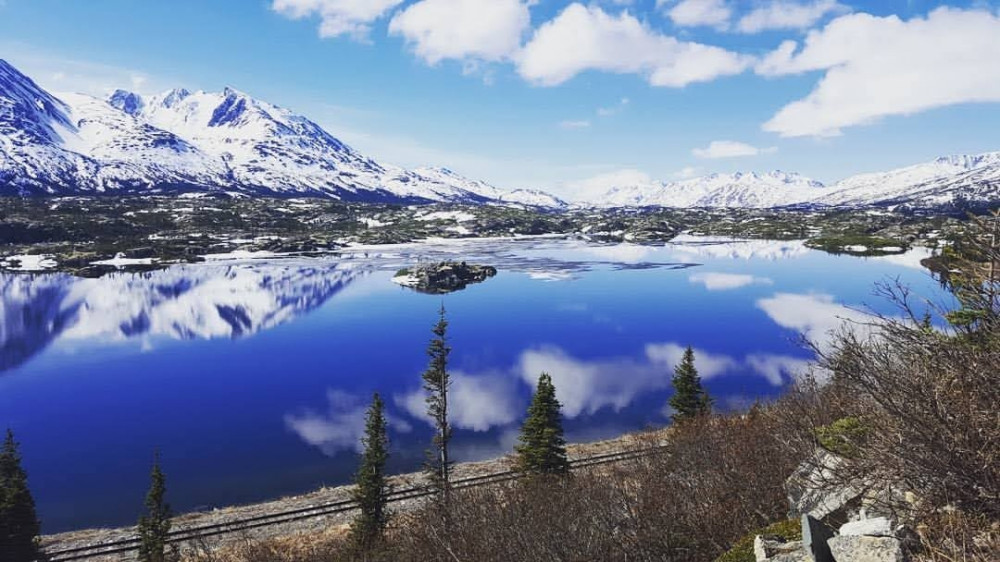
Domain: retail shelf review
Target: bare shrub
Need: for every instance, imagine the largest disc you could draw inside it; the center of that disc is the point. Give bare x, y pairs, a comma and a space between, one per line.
954, 536
718, 479
929, 402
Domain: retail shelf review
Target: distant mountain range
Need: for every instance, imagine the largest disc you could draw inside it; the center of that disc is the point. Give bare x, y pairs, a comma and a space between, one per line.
229, 142
952, 181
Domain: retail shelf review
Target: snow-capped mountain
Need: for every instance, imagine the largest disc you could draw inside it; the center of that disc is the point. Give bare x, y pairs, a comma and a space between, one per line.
200, 141
717, 190
947, 181
940, 182
228, 141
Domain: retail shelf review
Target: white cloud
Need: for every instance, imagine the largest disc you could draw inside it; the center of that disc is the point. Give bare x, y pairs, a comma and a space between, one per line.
475, 402
338, 17
614, 109
694, 13
882, 66
787, 14
709, 365
816, 316
730, 149
775, 368
574, 125
687, 173
714, 281
586, 386
340, 428
596, 186
489, 30
584, 38
60, 74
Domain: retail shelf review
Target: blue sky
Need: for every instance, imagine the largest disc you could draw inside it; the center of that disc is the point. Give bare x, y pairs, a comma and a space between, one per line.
560, 95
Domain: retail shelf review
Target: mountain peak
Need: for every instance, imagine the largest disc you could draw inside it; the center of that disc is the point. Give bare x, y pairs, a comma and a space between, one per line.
969, 161
171, 98
129, 102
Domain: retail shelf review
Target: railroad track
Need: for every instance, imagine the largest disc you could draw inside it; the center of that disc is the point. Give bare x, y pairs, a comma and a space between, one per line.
198, 532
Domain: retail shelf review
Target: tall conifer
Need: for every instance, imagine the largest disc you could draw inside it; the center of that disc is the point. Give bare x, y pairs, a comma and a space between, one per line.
542, 448
437, 383
19, 527
372, 490
690, 399
154, 525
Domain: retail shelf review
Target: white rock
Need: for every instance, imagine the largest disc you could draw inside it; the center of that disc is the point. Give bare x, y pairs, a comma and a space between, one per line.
874, 527
866, 549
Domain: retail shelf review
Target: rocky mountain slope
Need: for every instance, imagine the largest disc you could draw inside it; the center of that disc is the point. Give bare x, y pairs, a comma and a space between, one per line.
200, 141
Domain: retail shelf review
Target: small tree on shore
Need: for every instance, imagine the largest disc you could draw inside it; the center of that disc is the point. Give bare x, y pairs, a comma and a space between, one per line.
542, 448
372, 490
19, 527
437, 383
690, 399
154, 525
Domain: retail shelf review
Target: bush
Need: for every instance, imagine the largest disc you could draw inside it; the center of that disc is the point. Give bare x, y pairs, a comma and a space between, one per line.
719, 478
843, 436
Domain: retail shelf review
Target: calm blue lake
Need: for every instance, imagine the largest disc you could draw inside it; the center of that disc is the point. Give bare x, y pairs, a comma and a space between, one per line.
251, 377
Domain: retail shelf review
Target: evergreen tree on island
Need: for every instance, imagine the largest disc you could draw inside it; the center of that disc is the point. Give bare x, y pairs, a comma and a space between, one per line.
154, 526
19, 526
690, 399
436, 383
542, 448
372, 490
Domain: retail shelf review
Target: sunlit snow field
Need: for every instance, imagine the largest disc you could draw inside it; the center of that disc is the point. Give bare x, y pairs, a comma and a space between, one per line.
251, 377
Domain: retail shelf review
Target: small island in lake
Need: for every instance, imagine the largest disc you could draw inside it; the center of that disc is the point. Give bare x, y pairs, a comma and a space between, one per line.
444, 277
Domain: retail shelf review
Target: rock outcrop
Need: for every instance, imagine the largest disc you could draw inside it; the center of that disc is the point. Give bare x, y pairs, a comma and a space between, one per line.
862, 534
444, 277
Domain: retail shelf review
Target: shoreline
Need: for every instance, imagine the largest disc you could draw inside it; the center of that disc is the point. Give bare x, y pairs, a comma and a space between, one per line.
95, 536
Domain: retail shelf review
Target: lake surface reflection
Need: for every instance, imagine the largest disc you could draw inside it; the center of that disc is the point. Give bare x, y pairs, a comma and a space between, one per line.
251, 378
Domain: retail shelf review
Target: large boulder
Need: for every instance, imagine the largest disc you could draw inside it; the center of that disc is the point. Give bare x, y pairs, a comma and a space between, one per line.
813, 489
853, 548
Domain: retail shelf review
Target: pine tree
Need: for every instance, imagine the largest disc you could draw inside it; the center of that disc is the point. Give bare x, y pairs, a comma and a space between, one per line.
372, 490
542, 448
154, 526
19, 527
690, 399
436, 383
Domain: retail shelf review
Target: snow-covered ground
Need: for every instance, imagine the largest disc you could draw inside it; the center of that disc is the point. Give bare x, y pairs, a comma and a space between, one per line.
28, 262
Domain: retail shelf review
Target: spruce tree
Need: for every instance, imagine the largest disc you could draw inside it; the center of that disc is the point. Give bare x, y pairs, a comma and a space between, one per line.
690, 399
542, 448
372, 490
436, 383
154, 525
19, 527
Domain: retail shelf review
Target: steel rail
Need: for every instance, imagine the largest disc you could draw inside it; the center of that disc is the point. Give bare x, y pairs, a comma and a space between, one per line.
340, 506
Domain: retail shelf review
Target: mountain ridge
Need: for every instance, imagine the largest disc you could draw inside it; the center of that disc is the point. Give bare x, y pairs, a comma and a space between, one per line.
229, 142
179, 140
